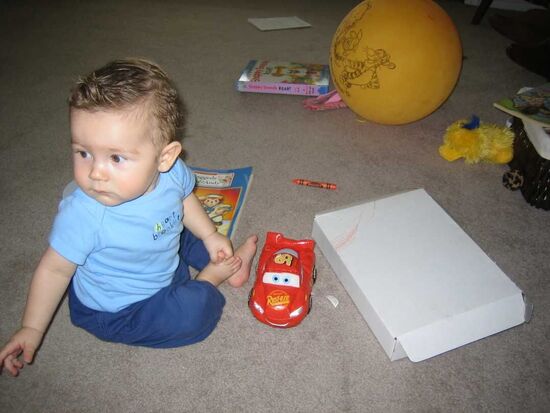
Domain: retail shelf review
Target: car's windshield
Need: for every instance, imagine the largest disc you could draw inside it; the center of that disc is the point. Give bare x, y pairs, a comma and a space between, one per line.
282, 278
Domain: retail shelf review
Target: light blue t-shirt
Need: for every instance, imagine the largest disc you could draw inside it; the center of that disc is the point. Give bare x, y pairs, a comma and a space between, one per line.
124, 253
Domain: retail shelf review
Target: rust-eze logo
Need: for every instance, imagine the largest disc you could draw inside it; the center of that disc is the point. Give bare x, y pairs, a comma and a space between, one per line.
278, 298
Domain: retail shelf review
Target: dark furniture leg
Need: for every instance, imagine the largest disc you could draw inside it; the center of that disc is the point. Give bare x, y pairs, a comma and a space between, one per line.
481, 9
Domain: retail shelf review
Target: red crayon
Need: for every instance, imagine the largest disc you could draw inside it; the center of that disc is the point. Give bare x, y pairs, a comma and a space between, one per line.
307, 182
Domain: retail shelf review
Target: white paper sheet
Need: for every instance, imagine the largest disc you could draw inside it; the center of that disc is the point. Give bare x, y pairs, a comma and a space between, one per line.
278, 23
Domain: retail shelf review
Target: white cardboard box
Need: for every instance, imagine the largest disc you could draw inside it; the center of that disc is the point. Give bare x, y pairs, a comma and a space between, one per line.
421, 283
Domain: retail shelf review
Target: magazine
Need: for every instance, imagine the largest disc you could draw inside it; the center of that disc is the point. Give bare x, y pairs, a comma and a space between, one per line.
531, 104
287, 78
222, 193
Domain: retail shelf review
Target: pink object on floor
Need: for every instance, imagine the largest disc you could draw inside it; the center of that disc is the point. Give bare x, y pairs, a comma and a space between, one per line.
328, 101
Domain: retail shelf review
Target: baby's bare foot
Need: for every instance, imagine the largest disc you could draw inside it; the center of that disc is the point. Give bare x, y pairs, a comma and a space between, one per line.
246, 253
218, 273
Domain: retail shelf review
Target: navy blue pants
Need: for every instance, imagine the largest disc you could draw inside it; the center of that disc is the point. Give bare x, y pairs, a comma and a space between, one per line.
180, 314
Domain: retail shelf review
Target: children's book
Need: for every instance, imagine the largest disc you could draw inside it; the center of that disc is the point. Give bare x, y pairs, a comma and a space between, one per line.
287, 78
222, 193
530, 104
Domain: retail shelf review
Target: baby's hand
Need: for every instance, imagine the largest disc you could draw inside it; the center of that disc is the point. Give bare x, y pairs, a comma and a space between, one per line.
218, 246
26, 340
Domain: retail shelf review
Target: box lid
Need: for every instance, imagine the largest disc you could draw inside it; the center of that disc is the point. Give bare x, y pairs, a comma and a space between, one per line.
420, 278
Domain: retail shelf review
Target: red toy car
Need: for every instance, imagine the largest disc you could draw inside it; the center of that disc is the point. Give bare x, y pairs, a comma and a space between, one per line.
281, 296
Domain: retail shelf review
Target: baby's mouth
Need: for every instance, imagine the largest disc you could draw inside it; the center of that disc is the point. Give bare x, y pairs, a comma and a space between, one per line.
100, 192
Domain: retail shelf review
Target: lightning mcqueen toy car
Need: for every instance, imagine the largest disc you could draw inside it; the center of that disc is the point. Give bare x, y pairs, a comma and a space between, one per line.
281, 296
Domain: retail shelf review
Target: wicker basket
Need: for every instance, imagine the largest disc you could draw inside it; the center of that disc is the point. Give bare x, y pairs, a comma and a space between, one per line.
534, 169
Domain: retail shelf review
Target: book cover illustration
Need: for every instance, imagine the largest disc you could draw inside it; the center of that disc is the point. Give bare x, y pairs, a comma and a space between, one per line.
529, 104
222, 193
265, 76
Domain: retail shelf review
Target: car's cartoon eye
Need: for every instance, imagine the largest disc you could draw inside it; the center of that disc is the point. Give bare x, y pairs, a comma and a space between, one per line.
282, 279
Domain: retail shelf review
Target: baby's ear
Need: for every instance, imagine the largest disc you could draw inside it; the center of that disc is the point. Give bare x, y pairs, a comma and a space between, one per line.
168, 156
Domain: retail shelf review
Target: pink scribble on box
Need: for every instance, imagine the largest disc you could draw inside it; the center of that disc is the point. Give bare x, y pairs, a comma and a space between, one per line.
347, 237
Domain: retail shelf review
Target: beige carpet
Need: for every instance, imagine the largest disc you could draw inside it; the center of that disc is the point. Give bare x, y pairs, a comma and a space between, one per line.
331, 362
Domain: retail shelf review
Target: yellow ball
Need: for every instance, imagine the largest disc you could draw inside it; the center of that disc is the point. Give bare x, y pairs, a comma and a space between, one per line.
395, 61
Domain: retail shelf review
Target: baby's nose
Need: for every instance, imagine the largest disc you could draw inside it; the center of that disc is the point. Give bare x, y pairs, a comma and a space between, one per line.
98, 172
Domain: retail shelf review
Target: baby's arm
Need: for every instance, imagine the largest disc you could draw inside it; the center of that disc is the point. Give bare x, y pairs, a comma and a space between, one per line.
196, 220
49, 283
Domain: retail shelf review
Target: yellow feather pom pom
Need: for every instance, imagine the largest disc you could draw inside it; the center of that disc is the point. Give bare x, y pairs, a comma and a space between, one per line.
487, 142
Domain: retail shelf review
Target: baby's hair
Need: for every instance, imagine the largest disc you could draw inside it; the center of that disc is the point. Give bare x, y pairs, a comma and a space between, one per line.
133, 83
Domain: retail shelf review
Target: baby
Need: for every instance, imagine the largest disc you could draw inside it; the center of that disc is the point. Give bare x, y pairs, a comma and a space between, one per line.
123, 240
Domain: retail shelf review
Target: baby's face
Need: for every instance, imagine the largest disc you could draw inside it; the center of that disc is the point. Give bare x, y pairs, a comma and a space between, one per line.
114, 157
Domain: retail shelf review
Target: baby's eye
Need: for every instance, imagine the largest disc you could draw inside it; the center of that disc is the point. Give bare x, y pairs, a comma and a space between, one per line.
83, 154
117, 158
